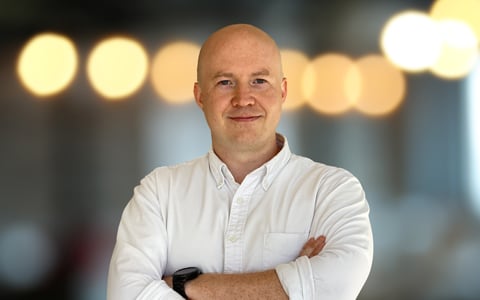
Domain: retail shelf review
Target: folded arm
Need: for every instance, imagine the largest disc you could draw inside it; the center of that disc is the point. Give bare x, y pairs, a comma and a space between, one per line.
258, 285
342, 268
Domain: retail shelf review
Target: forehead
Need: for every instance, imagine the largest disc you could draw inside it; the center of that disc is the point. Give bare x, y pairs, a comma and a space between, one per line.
239, 49
235, 55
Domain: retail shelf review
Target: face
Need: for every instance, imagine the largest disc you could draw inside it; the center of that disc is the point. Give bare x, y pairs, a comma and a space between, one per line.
241, 89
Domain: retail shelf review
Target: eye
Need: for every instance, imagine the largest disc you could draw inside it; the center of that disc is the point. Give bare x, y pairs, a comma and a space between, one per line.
259, 81
225, 82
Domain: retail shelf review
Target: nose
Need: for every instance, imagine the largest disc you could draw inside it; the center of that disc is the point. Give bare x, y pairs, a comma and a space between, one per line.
243, 96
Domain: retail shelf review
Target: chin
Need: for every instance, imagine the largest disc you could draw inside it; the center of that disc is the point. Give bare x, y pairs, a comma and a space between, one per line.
249, 140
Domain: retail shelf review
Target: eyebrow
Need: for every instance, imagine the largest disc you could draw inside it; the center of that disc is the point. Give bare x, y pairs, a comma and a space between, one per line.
222, 74
262, 72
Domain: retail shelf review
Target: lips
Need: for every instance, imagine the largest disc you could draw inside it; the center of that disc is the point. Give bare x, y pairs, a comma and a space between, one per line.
244, 115
245, 118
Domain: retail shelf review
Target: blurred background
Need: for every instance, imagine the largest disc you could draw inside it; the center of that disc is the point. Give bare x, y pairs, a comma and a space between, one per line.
95, 94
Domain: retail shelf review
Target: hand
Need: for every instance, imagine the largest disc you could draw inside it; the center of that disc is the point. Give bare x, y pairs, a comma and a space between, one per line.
169, 281
313, 246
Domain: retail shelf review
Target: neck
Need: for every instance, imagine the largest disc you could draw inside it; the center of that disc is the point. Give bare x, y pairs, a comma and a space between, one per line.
242, 162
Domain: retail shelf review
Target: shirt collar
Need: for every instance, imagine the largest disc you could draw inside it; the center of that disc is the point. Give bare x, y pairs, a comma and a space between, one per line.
271, 168
216, 165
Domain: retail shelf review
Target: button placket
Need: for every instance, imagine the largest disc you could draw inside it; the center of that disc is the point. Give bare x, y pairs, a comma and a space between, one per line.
234, 242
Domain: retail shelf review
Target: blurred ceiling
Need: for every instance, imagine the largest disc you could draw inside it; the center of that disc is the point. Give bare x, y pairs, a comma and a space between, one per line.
90, 14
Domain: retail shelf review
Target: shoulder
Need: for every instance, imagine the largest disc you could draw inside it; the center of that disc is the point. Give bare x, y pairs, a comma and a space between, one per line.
166, 173
305, 164
323, 176
162, 180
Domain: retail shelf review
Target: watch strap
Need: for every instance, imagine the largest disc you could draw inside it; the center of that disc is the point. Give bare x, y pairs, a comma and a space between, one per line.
180, 277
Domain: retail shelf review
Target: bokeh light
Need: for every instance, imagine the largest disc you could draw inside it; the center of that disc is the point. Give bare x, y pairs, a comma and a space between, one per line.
27, 255
47, 64
328, 88
411, 41
117, 67
294, 68
464, 10
459, 50
382, 87
174, 71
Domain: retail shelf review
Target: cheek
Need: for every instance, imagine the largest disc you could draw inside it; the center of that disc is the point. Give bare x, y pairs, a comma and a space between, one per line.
273, 93
213, 111
273, 99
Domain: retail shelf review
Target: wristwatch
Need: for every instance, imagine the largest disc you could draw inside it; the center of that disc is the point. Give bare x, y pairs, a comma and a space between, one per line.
180, 277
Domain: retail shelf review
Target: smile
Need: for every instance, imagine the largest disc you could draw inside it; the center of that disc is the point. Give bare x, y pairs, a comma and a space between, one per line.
245, 118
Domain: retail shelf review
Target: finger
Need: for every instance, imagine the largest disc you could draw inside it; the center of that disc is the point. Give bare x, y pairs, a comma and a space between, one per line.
168, 280
316, 247
319, 244
308, 247
313, 246
305, 252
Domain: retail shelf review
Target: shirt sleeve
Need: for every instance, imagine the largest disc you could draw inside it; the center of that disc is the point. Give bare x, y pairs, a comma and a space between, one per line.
341, 269
139, 256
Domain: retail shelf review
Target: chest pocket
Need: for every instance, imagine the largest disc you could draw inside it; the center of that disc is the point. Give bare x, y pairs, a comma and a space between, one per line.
279, 248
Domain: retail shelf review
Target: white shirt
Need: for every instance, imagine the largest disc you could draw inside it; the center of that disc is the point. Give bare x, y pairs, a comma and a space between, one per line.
195, 214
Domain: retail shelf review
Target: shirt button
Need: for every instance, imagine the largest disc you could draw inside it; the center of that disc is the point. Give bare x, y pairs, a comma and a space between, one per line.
240, 200
233, 238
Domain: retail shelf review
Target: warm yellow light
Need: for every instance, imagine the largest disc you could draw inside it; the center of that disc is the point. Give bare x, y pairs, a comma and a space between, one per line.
174, 71
411, 41
117, 67
294, 68
47, 64
464, 10
328, 85
382, 86
459, 50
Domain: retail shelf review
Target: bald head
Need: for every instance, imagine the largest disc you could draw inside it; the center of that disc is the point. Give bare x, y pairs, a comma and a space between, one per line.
241, 39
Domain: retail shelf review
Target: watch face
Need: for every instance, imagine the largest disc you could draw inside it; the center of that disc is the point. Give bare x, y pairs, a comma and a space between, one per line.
186, 271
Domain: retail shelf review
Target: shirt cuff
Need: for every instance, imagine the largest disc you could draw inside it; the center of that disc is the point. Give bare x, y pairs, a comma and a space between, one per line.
159, 290
296, 278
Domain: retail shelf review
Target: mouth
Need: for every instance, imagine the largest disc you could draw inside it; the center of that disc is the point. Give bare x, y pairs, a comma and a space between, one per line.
244, 118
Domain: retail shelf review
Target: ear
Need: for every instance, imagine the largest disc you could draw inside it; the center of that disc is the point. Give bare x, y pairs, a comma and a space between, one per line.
197, 93
284, 89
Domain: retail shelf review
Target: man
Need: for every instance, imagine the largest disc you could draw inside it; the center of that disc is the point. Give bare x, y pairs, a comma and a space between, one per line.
249, 220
